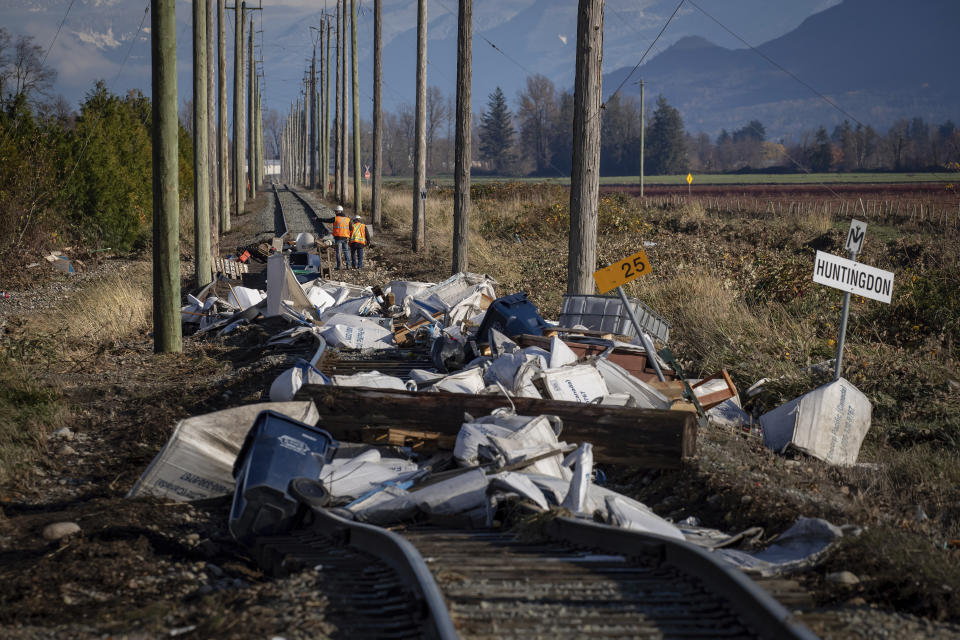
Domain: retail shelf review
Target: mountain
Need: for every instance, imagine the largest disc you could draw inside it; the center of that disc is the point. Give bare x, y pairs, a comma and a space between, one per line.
878, 60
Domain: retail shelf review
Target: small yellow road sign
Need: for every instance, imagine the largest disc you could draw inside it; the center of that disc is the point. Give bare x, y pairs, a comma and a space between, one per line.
689, 178
622, 272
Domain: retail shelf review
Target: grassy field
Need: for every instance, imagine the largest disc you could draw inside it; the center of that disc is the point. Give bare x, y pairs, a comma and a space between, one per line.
720, 179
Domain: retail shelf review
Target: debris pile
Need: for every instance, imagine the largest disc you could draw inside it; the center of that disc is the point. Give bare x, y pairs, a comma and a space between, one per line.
442, 402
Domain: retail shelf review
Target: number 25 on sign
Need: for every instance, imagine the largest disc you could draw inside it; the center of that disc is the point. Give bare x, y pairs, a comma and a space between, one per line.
622, 272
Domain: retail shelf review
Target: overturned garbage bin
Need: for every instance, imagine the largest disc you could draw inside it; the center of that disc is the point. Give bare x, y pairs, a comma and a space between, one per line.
511, 315
276, 451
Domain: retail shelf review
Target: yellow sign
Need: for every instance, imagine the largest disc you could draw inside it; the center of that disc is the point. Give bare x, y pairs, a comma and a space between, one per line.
689, 178
620, 273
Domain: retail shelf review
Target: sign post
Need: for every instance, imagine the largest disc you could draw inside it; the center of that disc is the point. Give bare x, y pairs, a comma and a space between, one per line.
850, 276
619, 274
689, 182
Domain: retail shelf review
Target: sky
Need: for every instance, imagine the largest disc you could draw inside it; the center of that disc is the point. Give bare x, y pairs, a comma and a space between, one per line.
109, 40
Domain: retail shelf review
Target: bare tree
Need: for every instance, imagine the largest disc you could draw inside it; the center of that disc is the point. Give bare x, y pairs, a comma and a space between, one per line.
536, 110
438, 113
21, 69
273, 126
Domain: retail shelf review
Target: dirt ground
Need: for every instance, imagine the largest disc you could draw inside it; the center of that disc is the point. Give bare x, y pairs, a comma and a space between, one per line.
151, 568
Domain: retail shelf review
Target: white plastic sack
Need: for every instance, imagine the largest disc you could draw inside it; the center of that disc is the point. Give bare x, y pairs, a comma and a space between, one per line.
286, 385
460, 493
466, 381
197, 460
828, 423
354, 477
355, 332
579, 383
560, 354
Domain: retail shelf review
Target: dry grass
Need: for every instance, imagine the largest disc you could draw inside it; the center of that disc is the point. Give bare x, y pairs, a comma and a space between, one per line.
108, 308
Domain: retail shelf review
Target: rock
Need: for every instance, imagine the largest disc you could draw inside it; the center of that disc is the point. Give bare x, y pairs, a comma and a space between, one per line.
747, 499
843, 577
193, 537
59, 530
856, 602
66, 450
63, 432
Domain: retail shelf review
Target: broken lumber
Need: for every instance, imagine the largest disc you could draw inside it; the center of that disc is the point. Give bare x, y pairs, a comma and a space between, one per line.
648, 438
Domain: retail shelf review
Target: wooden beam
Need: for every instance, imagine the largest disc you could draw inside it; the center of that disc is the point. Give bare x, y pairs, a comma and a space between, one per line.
641, 437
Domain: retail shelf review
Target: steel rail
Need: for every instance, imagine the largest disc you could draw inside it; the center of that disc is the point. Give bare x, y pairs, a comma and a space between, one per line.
281, 228
324, 535
757, 608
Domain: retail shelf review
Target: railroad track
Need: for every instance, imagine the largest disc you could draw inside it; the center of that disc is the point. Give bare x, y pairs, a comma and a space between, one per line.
574, 579
294, 214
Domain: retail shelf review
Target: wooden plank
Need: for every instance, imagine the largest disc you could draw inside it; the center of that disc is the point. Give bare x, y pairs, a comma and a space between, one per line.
418, 440
641, 437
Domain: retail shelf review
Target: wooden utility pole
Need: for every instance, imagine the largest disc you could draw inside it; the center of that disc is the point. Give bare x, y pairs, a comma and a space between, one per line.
337, 116
313, 120
213, 158
201, 169
223, 144
376, 213
643, 127
585, 175
343, 107
326, 114
251, 180
355, 79
461, 171
239, 189
167, 337
419, 235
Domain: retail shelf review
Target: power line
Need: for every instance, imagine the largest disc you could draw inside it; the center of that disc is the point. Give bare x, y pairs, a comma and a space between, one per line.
644, 56
57, 34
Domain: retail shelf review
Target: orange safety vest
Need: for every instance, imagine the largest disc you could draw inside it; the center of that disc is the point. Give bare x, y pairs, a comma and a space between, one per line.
359, 233
341, 227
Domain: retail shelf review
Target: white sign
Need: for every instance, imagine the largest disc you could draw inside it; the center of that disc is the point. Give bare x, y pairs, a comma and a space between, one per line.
850, 275
855, 236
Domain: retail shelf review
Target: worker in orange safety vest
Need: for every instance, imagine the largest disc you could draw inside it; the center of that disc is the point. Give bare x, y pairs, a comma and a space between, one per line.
341, 236
359, 238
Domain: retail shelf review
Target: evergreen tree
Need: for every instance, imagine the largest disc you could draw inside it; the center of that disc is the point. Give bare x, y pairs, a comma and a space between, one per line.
496, 133
821, 154
665, 149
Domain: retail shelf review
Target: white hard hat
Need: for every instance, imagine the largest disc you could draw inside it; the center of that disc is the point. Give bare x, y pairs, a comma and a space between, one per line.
338, 209
356, 217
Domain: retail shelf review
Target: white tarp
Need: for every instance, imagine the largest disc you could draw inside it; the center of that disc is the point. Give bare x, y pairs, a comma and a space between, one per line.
244, 297
318, 296
619, 380
828, 423
462, 492
354, 332
283, 289
560, 354
197, 460
372, 379
357, 476
578, 383
581, 461
455, 289
797, 548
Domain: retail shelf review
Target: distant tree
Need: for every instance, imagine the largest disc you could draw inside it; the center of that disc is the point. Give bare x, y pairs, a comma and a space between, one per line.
620, 137
753, 130
536, 109
561, 138
273, 126
820, 154
665, 152
496, 133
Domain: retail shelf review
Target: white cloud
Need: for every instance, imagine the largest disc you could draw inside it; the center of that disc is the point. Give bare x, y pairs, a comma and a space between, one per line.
99, 40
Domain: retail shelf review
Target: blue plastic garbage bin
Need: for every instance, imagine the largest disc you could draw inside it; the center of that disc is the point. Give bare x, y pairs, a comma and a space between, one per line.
511, 315
277, 449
